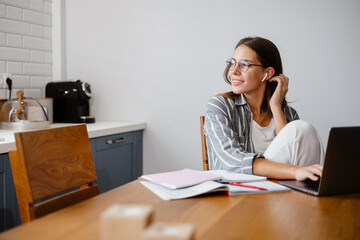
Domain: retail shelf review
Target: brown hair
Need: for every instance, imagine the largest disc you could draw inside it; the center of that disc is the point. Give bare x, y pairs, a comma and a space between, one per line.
269, 56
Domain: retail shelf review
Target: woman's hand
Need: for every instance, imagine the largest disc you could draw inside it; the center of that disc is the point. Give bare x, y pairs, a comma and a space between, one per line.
280, 91
275, 170
276, 101
312, 172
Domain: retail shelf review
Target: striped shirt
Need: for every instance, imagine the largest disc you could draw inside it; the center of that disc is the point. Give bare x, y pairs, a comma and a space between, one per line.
228, 133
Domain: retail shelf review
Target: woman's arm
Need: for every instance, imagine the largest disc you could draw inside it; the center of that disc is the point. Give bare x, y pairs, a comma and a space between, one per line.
279, 119
277, 99
276, 170
226, 148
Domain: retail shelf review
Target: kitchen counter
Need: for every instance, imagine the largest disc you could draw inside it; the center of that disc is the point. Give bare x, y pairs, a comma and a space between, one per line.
98, 129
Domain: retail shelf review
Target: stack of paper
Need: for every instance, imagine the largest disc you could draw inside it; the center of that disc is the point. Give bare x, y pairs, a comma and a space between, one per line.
180, 179
189, 183
227, 176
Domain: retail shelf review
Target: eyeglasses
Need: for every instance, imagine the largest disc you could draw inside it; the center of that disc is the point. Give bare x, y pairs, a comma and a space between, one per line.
243, 65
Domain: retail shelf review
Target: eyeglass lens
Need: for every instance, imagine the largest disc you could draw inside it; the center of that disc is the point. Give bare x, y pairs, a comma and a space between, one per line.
243, 66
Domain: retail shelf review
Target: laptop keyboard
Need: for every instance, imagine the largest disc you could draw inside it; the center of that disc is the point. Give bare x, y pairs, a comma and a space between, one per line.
312, 185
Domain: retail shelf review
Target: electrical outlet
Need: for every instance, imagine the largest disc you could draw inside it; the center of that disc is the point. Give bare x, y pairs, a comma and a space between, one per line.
3, 78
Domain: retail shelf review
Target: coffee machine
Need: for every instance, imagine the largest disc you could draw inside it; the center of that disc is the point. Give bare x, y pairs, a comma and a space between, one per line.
71, 101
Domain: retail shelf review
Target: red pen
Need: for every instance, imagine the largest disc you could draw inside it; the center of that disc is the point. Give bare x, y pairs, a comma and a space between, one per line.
247, 186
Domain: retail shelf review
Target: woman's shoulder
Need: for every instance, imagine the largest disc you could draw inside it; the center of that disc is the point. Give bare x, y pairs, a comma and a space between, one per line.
217, 99
219, 103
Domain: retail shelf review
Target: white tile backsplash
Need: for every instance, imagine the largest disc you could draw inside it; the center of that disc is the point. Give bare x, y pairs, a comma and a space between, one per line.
37, 69
37, 30
14, 54
26, 44
37, 82
14, 40
48, 32
12, 26
33, 93
47, 7
37, 5
2, 10
14, 13
37, 43
37, 17
17, 3
3, 94
2, 66
37, 56
2, 39
48, 57
21, 82
14, 67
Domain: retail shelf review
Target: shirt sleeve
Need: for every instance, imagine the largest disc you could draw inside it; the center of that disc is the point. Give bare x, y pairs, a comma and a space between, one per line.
225, 146
291, 114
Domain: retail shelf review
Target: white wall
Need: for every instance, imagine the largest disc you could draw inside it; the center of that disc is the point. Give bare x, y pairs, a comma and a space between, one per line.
159, 61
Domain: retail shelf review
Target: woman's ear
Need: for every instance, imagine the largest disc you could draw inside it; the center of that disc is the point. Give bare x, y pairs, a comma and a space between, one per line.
270, 71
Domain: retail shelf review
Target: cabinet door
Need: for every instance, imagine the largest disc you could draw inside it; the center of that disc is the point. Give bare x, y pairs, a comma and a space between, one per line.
113, 160
2, 194
9, 212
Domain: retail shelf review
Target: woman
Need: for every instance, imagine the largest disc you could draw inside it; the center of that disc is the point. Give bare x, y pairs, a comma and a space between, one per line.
252, 129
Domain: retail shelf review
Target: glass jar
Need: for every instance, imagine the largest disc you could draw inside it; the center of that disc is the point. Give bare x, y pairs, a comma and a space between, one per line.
23, 113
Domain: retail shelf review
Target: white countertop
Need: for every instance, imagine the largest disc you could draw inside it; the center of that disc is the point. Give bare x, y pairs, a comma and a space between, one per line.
97, 129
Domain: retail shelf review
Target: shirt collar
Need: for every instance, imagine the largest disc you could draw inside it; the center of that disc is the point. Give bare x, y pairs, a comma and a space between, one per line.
240, 100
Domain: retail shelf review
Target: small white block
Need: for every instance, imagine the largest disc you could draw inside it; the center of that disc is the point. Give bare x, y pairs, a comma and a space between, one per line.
169, 231
125, 221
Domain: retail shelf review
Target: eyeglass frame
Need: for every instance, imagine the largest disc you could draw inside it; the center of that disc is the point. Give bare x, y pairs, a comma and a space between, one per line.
247, 64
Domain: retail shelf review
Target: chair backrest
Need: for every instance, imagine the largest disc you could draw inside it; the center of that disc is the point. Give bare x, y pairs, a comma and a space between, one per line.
203, 145
55, 161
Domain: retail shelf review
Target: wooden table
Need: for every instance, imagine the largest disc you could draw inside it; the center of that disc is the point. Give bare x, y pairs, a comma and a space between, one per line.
282, 215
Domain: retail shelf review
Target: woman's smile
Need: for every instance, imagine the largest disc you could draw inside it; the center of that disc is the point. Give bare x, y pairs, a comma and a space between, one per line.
236, 82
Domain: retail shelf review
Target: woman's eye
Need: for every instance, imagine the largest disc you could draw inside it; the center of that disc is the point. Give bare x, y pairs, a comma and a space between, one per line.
231, 63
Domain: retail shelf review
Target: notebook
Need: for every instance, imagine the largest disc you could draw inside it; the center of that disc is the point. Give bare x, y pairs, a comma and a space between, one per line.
227, 176
189, 177
180, 179
212, 186
341, 166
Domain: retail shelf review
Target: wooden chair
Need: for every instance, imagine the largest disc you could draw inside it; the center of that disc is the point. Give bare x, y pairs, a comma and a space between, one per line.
50, 162
203, 145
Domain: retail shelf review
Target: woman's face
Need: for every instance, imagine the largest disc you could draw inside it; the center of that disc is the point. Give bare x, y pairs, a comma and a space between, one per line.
250, 81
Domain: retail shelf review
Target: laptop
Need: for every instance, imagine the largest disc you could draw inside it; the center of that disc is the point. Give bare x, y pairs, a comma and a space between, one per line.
341, 171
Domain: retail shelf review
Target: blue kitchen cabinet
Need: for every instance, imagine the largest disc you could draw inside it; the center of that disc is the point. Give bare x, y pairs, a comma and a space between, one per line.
9, 212
117, 158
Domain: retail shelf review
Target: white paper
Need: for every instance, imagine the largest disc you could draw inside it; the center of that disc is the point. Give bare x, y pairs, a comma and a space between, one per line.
169, 194
270, 186
228, 176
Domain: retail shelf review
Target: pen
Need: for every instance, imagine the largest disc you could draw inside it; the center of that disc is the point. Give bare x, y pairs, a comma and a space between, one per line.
247, 186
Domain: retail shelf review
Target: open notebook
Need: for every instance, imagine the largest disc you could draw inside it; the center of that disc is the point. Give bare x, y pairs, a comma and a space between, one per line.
212, 186
180, 179
227, 176
189, 177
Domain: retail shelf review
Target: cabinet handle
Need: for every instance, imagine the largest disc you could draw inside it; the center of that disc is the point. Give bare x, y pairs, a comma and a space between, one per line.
121, 140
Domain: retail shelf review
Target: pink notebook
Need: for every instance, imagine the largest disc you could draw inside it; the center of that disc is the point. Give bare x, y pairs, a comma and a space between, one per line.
180, 179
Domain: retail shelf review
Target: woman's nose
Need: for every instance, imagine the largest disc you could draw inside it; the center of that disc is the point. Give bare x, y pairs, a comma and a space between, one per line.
236, 70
